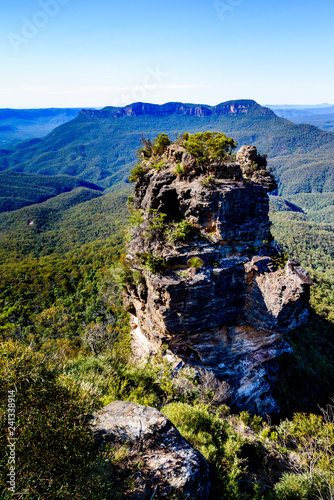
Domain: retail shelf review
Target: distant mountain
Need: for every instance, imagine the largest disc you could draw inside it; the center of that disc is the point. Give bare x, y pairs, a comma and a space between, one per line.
298, 106
18, 190
100, 145
18, 125
239, 107
322, 117
294, 112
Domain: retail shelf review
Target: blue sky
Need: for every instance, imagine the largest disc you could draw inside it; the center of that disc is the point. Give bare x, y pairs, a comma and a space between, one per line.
85, 53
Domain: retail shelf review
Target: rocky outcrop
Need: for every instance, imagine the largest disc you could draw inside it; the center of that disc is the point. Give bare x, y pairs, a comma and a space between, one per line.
253, 167
214, 296
168, 464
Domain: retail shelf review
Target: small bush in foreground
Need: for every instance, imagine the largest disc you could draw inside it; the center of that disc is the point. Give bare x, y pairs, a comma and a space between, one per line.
54, 444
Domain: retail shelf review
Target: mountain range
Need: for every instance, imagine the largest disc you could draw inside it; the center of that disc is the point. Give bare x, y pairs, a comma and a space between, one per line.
322, 117
100, 146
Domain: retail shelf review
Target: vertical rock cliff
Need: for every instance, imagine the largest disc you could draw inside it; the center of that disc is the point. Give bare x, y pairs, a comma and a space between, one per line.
203, 276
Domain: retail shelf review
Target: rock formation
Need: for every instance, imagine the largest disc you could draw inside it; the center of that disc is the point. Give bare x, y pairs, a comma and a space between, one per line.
168, 463
203, 279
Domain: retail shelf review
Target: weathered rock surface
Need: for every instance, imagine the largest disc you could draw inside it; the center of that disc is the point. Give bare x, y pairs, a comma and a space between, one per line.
228, 315
253, 167
168, 463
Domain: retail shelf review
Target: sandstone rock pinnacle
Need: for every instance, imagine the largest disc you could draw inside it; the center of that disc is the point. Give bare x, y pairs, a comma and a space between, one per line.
203, 272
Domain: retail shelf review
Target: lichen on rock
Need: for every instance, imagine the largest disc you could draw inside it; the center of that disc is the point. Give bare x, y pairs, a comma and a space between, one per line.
202, 276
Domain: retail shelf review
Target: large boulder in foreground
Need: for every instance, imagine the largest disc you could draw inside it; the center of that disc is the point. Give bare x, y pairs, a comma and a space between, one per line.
168, 463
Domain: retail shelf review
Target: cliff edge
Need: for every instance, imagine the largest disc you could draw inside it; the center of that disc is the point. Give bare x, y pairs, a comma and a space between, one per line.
203, 274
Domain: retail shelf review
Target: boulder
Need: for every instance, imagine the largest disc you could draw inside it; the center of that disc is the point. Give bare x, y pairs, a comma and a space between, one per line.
168, 464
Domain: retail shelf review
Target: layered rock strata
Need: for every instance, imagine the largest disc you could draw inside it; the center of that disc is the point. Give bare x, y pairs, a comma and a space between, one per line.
218, 301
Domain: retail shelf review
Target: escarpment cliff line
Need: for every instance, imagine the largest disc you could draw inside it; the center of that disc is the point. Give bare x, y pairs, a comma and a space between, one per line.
203, 273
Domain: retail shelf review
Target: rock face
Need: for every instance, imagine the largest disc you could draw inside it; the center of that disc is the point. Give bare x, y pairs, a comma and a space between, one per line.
168, 463
253, 167
219, 302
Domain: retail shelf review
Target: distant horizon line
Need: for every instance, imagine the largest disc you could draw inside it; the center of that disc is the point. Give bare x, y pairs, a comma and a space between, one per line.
277, 106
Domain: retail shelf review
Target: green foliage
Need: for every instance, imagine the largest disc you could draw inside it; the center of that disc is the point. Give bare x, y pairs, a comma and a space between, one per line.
245, 417
209, 146
205, 431
279, 260
121, 273
195, 262
295, 487
156, 224
180, 169
319, 206
182, 231
148, 384
53, 445
137, 172
146, 150
136, 218
308, 241
207, 181
160, 144
254, 422
159, 165
313, 439
312, 244
82, 292
153, 263
59, 228
216, 440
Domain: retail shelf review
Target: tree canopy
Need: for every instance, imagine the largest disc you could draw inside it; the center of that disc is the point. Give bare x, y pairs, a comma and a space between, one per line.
209, 146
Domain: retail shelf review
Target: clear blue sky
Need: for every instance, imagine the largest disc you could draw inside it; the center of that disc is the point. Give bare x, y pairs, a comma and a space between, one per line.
77, 53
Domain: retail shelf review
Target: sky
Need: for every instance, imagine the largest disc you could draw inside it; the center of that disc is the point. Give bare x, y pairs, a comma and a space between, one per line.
96, 53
